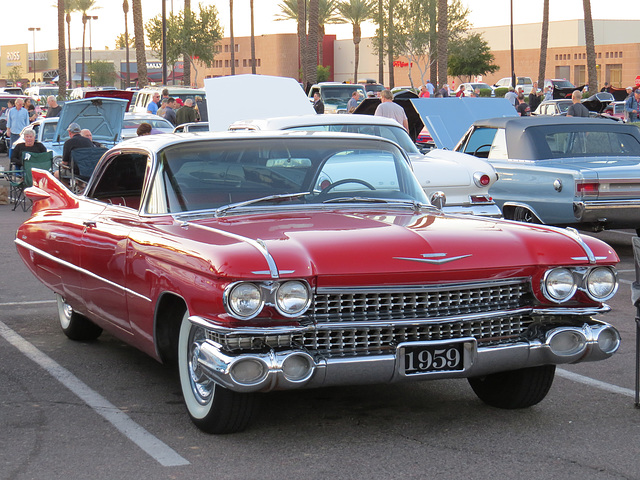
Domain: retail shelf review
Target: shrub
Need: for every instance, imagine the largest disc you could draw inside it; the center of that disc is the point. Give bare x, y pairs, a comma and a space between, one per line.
500, 92
485, 92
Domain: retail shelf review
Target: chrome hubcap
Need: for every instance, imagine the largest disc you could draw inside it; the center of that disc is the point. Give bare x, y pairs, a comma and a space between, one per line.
201, 386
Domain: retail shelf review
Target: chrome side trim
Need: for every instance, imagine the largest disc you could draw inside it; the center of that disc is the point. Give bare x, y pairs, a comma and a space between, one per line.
257, 244
84, 271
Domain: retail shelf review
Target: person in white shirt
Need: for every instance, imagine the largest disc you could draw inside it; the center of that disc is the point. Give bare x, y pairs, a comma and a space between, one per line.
389, 109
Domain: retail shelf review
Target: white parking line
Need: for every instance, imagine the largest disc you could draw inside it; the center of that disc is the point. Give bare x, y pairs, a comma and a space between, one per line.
607, 387
35, 302
155, 448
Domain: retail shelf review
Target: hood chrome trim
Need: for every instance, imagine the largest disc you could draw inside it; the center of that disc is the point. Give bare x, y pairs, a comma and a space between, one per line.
431, 258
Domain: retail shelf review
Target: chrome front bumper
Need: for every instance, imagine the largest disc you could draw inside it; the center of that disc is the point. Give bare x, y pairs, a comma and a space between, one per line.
617, 212
297, 368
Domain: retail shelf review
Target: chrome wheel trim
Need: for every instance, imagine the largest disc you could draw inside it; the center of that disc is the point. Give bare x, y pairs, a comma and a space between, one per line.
201, 386
64, 312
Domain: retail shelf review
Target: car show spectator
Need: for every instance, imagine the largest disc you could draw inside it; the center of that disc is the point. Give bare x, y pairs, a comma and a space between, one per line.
389, 109
548, 93
53, 109
86, 133
424, 92
186, 113
76, 140
523, 107
318, 104
631, 105
460, 92
430, 88
512, 96
201, 106
169, 111
352, 104
154, 104
17, 119
30, 145
605, 88
143, 129
577, 109
444, 91
535, 97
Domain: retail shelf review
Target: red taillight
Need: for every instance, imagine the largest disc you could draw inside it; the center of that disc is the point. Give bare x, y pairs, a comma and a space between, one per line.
587, 188
484, 180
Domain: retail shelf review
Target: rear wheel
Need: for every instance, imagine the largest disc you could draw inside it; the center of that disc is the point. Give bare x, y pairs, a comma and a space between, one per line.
212, 408
75, 326
522, 214
514, 389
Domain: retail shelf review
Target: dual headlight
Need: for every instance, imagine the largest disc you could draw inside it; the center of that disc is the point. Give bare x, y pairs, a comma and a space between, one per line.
599, 283
245, 300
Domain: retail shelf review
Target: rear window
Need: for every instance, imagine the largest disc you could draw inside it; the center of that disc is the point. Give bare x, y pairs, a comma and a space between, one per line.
583, 141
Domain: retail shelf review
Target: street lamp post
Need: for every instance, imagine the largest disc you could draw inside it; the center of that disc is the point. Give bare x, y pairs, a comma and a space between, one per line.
90, 17
34, 30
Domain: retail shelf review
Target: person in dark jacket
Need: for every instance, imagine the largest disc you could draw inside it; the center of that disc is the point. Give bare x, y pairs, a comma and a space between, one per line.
30, 145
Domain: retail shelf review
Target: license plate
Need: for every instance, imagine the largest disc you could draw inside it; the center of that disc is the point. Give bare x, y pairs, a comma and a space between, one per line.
433, 357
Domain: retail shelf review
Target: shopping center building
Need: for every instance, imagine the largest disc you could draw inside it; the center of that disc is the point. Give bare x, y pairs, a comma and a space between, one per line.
616, 44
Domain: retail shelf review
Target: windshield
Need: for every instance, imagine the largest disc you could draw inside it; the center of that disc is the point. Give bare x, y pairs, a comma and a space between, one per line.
340, 94
210, 174
395, 134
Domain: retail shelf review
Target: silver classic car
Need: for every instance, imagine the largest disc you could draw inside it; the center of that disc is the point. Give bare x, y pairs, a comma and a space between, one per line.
552, 169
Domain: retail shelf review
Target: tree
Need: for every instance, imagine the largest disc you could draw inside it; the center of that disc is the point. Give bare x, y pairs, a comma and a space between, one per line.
414, 38
121, 42
380, 36
102, 73
186, 65
589, 41
544, 40
312, 42
62, 54
470, 56
199, 43
84, 6
327, 14
232, 39
15, 75
253, 40
356, 12
390, 44
443, 39
127, 44
138, 31
302, 42
68, 7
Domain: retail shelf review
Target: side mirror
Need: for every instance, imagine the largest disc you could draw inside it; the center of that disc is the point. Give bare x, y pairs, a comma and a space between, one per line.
438, 199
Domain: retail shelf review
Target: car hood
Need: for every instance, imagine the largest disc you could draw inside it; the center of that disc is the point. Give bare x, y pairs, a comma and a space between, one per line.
124, 94
103, 116
447, 119
598, 102
234, 98
386, 244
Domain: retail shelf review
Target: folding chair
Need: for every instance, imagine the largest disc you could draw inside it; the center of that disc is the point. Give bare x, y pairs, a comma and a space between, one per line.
83, 163
21, 179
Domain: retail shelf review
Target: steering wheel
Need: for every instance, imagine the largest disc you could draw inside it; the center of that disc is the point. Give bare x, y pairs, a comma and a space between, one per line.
347, 180
475, 152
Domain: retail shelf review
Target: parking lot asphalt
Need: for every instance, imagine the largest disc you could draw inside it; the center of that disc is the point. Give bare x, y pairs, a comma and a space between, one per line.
103, 410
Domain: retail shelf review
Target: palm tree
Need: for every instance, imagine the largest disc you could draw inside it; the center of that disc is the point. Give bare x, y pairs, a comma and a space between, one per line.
232, 39
380, 42
186, 62
312, 42
84, 6
125, 9
544, 38
253, 41
443, 38
69, 6
138, 32
355, 12
327, 13
302, 42
392, 77
589, 41
433, 42
62, 59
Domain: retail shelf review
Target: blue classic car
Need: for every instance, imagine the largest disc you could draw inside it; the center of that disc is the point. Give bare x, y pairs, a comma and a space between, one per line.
554, 170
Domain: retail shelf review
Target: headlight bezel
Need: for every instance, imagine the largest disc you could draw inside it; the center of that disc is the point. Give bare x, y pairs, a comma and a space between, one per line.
546, 290
587, 286
269, 297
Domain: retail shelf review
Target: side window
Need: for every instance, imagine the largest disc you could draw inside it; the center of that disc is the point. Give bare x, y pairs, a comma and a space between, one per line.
122, 180
480, 141
499, 147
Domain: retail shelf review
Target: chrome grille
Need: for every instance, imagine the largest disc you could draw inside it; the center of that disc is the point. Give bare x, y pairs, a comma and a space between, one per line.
348, 322
426, 302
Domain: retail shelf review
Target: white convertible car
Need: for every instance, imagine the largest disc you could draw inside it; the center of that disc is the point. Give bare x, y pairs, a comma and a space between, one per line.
458, 181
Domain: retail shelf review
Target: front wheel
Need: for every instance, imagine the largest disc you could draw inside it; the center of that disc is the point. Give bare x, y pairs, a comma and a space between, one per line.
514, 389
75, 326
212, 408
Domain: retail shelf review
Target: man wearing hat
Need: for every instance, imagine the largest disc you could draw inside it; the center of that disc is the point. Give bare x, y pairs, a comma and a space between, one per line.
632, 106
76, 140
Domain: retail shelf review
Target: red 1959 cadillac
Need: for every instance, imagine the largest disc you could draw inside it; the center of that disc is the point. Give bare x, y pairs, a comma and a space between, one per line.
266, 261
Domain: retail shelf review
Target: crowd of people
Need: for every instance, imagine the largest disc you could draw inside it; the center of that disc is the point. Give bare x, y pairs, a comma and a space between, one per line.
176, 110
